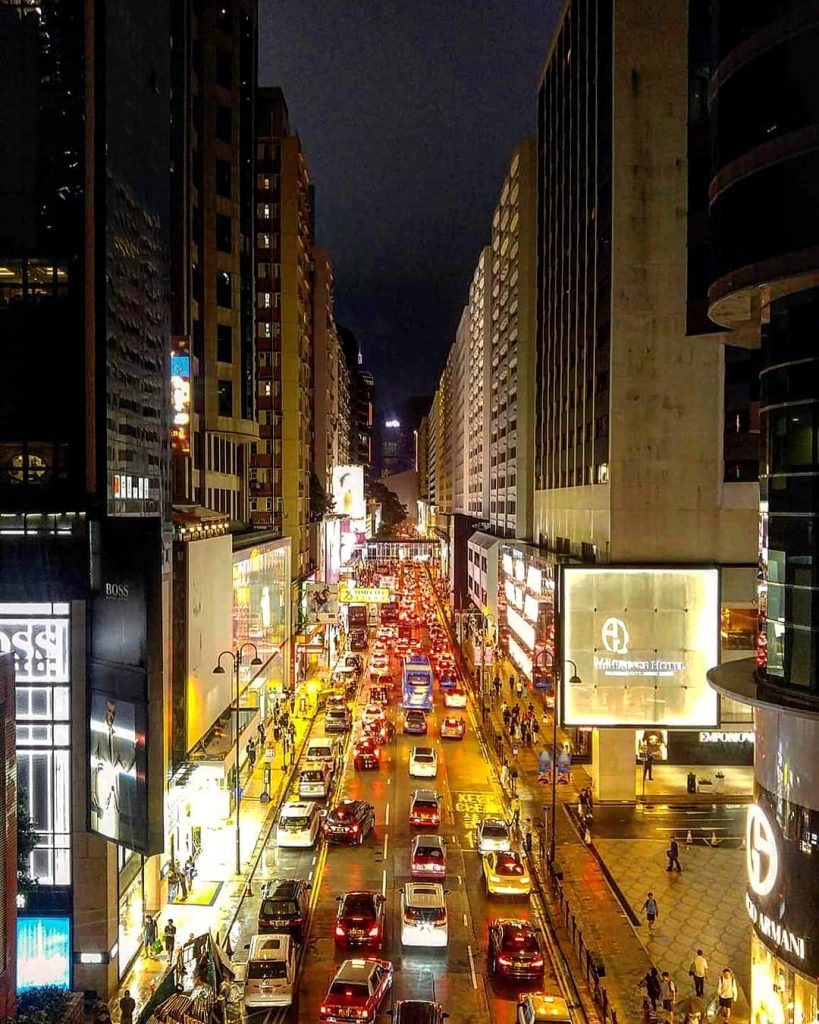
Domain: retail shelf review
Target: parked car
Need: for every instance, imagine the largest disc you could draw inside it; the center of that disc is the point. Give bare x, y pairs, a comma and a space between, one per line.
284, 907
270, 972
492, 834
337, 720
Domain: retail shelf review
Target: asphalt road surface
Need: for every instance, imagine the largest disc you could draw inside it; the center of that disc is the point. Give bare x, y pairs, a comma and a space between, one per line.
661, 821
455, 976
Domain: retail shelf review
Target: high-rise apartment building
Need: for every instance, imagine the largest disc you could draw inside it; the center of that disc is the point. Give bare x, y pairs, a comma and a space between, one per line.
458, 426
85, 484
331, 430
281, 460
512, 353
213, 151
764, 293
480, 387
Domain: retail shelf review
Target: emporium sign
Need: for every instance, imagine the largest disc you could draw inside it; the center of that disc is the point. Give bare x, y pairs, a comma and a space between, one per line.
40, 645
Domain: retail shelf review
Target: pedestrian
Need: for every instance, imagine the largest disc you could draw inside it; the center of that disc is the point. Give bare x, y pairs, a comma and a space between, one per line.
528, 838
726, 992
535, 731
277, 734
190, 871
102, 1015
515, 752
250, 751
516, 712
515, 803
170, 937
148, 935
513, 779
511, 685
699, 971
531, 709
127, 1005
653, 987
519, 688
668, 994
582, 807
589, 802
513, 730
291, 732
260, 731
673, 855
648, 765
507, 718
652, 913
504, 775
179, 969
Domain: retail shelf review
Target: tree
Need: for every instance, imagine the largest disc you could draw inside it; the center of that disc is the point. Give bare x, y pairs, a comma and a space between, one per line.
321, 503
27, 839
392, 511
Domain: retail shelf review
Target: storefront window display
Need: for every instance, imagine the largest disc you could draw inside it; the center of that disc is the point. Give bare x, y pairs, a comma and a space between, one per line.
131, 917
780, 995
261, 608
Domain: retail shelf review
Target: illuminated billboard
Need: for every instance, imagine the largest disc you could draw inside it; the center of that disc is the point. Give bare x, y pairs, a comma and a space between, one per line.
642, 640
117, 771
349, 593
348, 491
322, 603
181, 401
43, 952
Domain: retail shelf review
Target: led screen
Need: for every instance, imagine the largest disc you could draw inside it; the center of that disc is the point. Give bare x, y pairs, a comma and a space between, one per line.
642, 640
43, 952
118, 798
348, 491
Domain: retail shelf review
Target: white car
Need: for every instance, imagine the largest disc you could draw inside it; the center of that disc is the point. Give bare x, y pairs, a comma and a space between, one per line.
454, 698
492, 834
379, 663
372, 713
423, 763
271, 971
423, 915
298, 824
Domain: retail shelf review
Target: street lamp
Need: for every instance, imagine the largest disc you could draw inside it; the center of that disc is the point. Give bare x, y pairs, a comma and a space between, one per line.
574, 680
219, 671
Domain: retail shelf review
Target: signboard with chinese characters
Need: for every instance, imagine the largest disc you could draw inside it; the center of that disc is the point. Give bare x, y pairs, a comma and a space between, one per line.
181, 401
349, 593
643, 640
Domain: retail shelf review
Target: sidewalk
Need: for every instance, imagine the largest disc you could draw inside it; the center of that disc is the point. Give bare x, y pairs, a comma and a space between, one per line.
217, 913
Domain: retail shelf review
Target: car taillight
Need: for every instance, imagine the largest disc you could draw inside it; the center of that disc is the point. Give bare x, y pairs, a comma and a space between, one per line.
323, 1008
340, 932
505, 961
537, 962
374, 931
354, 828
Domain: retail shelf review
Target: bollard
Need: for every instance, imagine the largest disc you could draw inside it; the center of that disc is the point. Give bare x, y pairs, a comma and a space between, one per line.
689, 839
714, 839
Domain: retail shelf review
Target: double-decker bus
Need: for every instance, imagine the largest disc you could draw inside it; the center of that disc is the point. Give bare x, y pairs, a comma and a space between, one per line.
416, 682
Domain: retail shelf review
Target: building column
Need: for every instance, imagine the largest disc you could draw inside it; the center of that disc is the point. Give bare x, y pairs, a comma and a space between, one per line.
613, 764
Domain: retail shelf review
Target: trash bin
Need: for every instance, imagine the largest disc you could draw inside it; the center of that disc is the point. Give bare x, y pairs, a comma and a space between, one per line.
691, 782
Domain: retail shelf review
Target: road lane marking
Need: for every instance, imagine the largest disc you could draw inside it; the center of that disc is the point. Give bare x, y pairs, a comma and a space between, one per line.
384, 882
472, 967
459, 881
310, 876
387, 817
314, 861
386, 840
466, 921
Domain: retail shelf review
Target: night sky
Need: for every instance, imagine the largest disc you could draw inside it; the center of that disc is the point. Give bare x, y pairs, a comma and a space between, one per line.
408, 114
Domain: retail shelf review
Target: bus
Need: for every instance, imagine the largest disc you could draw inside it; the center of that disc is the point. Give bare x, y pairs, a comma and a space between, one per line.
416, 682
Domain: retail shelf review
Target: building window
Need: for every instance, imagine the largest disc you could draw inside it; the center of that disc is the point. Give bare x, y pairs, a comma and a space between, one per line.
225, 395
224, 69
223, 179
263, 211
224, 343
224, 233
224, 289
262, 240
224, 123
603, 473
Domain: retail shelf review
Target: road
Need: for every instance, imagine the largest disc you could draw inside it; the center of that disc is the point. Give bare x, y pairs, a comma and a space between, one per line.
661, 821
455, 976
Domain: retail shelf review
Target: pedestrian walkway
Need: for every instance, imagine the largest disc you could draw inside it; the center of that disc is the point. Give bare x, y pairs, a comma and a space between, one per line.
217, 914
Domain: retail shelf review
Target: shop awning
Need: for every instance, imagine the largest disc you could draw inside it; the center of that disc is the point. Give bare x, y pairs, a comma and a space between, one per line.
191, 522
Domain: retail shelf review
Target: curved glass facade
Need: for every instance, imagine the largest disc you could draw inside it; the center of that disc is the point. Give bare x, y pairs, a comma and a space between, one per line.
789, 490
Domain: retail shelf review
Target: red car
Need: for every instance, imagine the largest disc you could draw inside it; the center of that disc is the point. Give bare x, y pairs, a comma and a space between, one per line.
452, 728
427, 858
366, 754
357, 990
425, 808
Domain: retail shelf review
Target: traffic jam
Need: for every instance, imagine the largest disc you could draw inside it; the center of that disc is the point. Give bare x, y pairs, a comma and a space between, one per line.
393, 881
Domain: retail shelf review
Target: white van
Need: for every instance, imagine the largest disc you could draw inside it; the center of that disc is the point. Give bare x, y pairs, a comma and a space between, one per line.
322, 748
314, 781
423, 915
298, 823
271, 971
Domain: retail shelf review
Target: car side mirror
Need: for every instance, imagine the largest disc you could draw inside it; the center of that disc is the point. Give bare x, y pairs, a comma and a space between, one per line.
338, 899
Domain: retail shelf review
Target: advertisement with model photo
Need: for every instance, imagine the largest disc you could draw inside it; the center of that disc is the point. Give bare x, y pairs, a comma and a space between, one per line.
118, 798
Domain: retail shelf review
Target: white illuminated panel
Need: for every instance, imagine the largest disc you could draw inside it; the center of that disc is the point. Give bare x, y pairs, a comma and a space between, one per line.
508, 568
531, 605
521, 627
39, 645
534, 579
520, 657
520, 570
643, 641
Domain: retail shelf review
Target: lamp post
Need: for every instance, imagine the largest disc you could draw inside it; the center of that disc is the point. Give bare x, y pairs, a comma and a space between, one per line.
574, 680
219, 671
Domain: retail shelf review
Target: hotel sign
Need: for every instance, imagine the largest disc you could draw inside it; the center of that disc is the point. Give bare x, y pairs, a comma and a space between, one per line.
40, 646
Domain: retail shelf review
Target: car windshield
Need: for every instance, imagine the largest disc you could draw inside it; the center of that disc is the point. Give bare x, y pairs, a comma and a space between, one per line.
495, 832
316, 752
336, 713
426, 805
312, 775
352, 991
508, 866
298, 821
344, 812
435, 852
359, 906
425, 914
415, 716
519, 941
424, 758
266, 969
278, 908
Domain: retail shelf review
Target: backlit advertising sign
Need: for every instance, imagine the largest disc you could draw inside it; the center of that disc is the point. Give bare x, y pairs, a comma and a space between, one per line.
181, 401
117, 770
43, 952
349, 593
348, 491
322, 603
643, 640
39, 642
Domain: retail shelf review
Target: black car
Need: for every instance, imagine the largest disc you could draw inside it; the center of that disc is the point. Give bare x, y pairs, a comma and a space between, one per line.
514, 949
349, 821
284, 907
360, 919
358, 640
417, 1011
415, 722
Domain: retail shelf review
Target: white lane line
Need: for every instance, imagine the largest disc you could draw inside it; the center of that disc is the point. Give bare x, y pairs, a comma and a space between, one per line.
472, 967
466, 921
386, 840
384, 882
459, 881
310, 877
387, 817
314, 861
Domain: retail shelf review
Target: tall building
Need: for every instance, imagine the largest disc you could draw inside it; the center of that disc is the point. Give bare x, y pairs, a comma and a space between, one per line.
213, 151
331, 425
764, 293
8, 810
630, 405
457, 423
364, 413
85, 484
480, 386
512, 354
281, 461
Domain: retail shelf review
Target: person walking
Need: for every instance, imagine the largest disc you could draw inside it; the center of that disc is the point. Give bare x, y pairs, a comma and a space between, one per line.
726, 992
582, 806
511, 685
170, 937
668, 995
589, 802
673, 855
528, 837
260, 730
653, 987
148, 936
652, 913
127, 1005
519, 688
513, 779
291, 732
507, 718
250, 751
699, 972
535, 731
515, 805
504, 776
648, 766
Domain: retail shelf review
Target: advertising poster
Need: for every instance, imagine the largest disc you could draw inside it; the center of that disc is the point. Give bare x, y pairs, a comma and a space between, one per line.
322, 603
43, 952
643, 641
118, 799
348, 491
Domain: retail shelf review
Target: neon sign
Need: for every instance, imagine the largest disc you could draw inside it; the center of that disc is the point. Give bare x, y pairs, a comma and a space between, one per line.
181, 401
